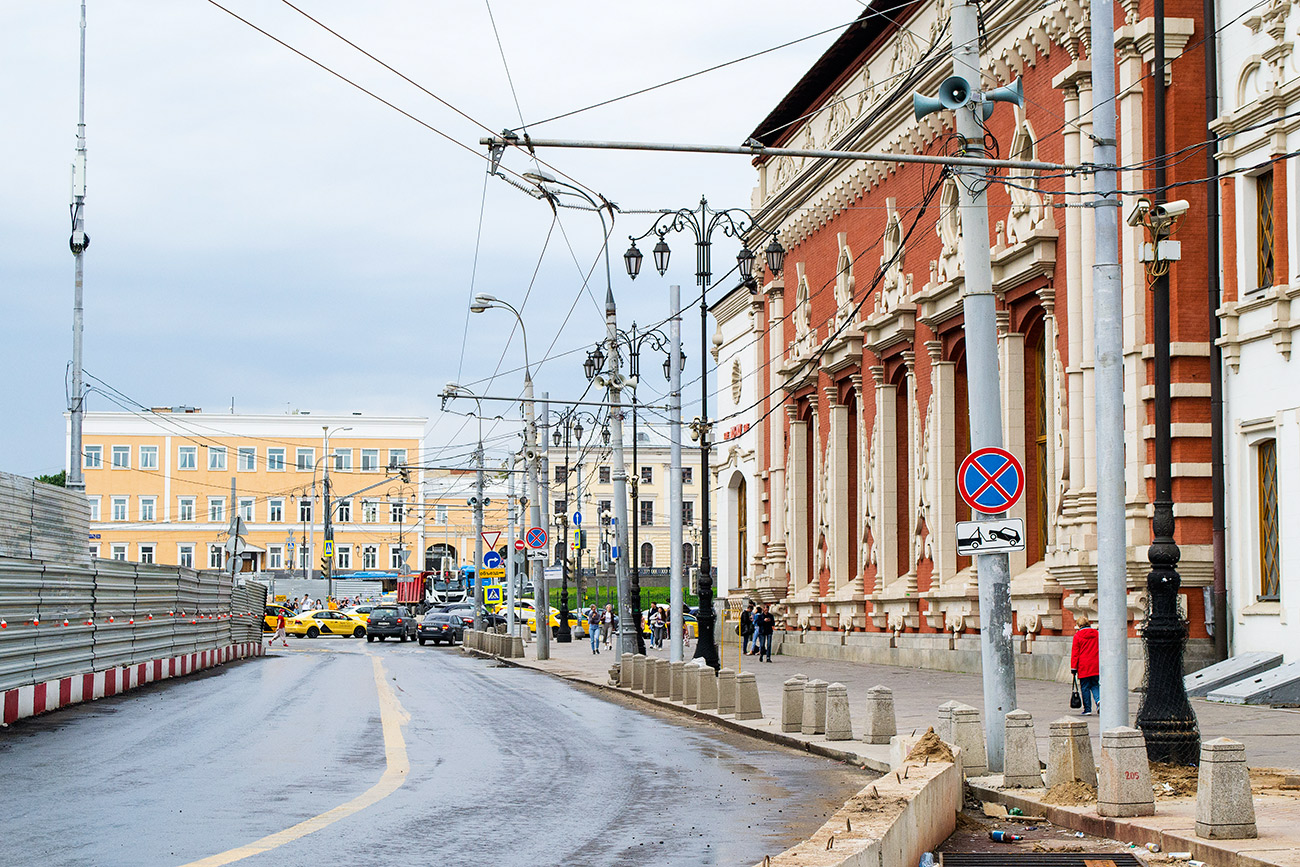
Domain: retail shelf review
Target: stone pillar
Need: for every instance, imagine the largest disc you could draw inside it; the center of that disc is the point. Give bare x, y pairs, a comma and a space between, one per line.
839, 725
625, 670
886, 462
776, 457
837, 483
638, 672
814, 708
690, 683
944, 727
1124, 779
726, 692
659, 685
968, 734
674, 681
1020, 764
1225, 808
747, 703
880, 724
943, 470
792, 704
708, 686
1069, 753
799, 545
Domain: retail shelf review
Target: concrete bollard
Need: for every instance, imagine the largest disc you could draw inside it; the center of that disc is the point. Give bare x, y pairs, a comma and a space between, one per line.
792, 704
1124, 779
1069, 753
1225, 807
675, 681
516, 647
615, 673
690, 683
651, 672
944, 727
968, 734
708, 689
638, 672
839, 724
625, 670
880, 722
747, 703
1020, 766
663, 678
726, 692
814, 708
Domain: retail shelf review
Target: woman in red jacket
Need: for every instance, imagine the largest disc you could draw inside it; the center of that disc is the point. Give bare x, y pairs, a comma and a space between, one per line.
1083, 664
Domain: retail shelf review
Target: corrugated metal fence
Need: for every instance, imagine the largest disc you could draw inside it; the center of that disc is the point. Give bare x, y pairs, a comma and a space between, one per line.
57, 621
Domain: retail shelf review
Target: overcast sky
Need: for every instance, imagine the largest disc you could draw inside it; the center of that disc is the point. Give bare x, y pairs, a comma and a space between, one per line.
265, 233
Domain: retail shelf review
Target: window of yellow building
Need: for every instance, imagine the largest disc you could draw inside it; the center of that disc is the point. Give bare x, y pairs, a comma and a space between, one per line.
216, 457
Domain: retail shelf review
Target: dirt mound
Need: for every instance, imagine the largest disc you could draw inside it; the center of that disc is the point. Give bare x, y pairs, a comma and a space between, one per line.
868, 803
1074, 794
1275, 781
1173, 781
930, 747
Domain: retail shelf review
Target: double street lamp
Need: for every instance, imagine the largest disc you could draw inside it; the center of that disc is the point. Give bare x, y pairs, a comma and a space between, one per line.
569, 430
702, 223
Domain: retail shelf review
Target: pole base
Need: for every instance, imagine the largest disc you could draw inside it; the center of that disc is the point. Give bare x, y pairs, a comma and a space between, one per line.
564, 636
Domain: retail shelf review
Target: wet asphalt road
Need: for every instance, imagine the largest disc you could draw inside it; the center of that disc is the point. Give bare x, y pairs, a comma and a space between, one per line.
507, 767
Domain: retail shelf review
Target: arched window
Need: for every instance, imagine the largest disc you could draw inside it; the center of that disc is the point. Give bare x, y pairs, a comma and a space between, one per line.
742, 529
647, 555
688, 555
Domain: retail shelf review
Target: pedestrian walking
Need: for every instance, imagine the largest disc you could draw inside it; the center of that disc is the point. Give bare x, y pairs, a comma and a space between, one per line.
747, 626
656, 627
279, 631
764, 628
607, 626
593, 627
1084, 664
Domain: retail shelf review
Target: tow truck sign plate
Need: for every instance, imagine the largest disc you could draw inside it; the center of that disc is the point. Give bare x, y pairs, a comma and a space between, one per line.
990, 537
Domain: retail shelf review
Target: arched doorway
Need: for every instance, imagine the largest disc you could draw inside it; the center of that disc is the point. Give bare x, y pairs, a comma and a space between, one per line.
440, 557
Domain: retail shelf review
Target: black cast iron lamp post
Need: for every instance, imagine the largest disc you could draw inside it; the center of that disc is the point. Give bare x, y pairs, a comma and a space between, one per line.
702, 222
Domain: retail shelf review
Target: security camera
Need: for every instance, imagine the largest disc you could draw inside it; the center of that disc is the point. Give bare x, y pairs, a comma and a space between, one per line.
1138, 216
1168, 212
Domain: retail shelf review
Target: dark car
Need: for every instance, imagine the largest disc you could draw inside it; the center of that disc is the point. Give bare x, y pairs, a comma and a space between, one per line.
492, 622
438, 627
1005, 534
390, 621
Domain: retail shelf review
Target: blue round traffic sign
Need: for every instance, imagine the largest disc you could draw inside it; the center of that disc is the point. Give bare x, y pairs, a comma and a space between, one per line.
492, 560
536, 537
577, 519
990, 480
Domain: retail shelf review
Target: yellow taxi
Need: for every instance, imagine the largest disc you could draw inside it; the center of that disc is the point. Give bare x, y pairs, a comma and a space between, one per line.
690, 626
359, 613
272, 614
312, 624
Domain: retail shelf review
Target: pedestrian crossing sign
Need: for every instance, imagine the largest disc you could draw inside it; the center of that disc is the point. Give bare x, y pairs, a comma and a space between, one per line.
492, 595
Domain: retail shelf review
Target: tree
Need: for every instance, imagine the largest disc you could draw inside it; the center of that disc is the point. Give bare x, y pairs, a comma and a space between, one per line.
59, 479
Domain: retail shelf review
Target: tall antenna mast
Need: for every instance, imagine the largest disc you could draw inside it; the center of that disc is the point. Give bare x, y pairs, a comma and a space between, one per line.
79, 242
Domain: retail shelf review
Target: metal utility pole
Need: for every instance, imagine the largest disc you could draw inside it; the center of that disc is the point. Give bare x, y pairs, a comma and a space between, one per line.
985, 401
676, 651
479, 620
1108, 331
79, 242
541, 599
511, 575
627, 642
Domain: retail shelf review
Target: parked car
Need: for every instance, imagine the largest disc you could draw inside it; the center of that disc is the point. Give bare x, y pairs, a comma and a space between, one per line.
271, 615
493, 622
391, 621
313, 624
438, 627
360, 613
690, 625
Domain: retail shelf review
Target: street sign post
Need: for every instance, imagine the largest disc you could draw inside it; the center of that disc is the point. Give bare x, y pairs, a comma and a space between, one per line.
990, 480
492, 594
492, 560
491, 574
520, 545
990, 537
536, 537
329, 548
577, 519
490, 538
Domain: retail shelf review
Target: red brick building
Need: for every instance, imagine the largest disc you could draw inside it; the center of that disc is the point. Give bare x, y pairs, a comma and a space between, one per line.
862, 352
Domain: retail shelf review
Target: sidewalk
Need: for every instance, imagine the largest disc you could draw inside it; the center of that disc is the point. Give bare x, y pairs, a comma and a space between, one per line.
1272, 739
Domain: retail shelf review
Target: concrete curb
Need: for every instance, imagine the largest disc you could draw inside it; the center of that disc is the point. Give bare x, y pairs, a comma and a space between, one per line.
39, 698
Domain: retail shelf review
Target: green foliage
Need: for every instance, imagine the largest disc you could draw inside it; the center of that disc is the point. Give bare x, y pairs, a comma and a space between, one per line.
649, 596
59, 479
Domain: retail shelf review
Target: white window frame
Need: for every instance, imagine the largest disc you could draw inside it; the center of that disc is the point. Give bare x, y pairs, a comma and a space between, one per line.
216, 510
370, 460
246, 507
440, 514
148, 509
187, 458
148, 552
688, 519
370, 557
93, 550
117, 551
343, 460
370, 512
217, 458
306, 510
275, 460
246, 462
275, 511
186, 504
647, 475
125, 453
342, 556
395, 557
93, 502
148, 457
343, 514
274, 556
397, 457
397, 511
92, 457
604, 475
185, 555
118, 508
215, 559
304, 466
304, 556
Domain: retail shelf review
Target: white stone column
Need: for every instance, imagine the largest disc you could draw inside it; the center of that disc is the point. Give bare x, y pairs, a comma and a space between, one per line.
886, 530
1011, 349
943, 472
1047, 296
914, 459
1085, 252
1073, 278
776, 455
797, 539
837, 482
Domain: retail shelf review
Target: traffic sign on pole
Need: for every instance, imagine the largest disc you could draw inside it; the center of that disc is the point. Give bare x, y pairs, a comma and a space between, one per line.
536, 537
520, 545
492, 560
490, 538
990, 480
577, 519
990, 537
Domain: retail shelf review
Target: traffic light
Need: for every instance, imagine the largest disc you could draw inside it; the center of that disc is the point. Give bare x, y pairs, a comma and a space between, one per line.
325, 565
406, 474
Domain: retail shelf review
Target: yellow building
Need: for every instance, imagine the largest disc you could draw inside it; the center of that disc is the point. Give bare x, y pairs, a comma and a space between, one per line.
165, 485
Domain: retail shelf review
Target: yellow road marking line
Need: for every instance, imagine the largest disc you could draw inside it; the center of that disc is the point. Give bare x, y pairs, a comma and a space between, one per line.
393, 717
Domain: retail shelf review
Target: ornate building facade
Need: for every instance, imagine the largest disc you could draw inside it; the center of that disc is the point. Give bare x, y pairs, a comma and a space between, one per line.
860, 374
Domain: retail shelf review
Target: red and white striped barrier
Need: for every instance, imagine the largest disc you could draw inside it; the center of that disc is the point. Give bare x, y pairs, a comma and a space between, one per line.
41, 698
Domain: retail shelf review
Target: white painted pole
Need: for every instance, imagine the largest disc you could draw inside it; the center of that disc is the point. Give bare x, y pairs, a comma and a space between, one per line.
676, 635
